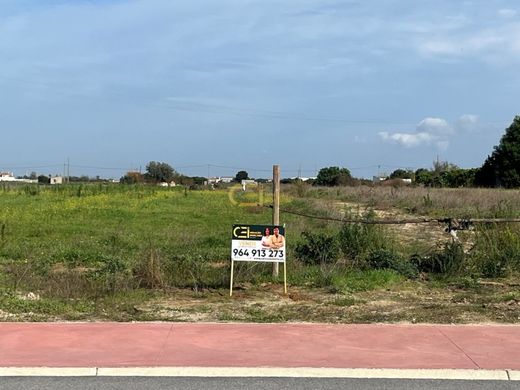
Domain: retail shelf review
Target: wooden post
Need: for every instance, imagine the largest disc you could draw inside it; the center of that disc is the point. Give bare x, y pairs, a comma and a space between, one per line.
231, 282
276, 205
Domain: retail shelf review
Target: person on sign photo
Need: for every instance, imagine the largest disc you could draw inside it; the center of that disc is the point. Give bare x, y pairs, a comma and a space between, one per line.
266, 238
277, 240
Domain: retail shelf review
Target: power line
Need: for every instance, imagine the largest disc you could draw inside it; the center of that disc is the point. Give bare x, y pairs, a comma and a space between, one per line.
220, 109
453, 223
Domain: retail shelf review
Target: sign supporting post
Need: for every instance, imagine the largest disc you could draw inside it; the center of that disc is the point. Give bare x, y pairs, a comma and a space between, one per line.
276, 206
231, 283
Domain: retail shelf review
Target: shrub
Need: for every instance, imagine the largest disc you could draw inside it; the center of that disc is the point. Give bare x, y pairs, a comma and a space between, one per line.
497, 251
194, 270
387, 259
356, 239
448, 261
318, 248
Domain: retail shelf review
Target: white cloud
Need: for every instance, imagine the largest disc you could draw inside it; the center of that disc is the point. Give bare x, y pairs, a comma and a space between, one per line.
432, 131
435, 126
408, 140
467, 123
507, 12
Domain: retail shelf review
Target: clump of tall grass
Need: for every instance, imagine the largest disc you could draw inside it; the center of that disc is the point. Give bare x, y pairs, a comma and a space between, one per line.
496, 252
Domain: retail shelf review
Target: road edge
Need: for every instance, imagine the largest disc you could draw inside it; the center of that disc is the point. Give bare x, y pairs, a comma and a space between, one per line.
298, 372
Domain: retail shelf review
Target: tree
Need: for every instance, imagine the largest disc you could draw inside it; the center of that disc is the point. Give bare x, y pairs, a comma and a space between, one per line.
241, 175
42, 179
458, 178
132, 178
423, 176
401, 174
502, 168
333, 176
160, 172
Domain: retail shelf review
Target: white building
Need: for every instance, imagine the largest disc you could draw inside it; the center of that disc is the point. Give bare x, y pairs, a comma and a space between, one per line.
7, 176
57, 180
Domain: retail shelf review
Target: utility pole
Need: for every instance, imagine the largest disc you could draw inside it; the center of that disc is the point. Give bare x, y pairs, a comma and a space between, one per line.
276, 205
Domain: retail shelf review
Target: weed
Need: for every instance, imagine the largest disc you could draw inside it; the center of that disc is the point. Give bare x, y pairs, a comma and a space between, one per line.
388, 259
448, 261
345, 301
357, 280
356, 240
317, 248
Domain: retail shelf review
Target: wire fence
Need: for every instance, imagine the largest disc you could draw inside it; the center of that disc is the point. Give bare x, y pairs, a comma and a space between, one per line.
453, 223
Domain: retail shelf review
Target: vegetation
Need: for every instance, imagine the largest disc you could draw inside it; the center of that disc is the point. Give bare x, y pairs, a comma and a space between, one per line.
241, 175
333, 176
160, 172
141, 252
502, 167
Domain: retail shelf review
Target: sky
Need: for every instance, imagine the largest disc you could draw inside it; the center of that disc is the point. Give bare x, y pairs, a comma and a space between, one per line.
214, 87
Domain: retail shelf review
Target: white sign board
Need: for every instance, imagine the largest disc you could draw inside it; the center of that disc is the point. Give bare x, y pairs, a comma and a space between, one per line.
264, 243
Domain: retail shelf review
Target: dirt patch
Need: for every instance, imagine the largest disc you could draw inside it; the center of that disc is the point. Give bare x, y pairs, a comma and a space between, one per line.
414, 303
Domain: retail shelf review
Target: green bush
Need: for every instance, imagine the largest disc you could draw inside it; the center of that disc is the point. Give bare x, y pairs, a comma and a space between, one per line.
448, 261
388, 259
317, 248
356, 240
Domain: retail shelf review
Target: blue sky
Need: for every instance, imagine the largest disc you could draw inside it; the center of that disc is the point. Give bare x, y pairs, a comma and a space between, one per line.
226, 85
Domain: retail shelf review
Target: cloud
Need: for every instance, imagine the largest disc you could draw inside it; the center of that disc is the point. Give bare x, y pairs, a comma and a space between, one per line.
408, 140
507, 12
432, 131
436, 126
467, 123
494, 45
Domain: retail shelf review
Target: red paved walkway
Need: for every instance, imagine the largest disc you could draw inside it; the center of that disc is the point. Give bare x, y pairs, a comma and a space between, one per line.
258, 345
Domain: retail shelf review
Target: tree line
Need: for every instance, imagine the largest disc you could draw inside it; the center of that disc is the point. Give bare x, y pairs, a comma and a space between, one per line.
500, 169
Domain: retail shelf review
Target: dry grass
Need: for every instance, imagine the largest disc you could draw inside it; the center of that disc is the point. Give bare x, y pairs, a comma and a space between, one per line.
437, 202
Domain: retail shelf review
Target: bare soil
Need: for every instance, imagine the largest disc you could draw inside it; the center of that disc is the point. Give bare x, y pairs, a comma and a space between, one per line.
414, 302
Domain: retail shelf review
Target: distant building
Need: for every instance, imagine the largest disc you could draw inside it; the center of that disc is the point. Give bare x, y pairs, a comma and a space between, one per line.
165, 184
380, 178
215, 180
7, 176
227, 179
301, 178
57, 180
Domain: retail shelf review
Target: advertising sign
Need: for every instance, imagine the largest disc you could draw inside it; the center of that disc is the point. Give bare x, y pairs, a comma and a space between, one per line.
258, 243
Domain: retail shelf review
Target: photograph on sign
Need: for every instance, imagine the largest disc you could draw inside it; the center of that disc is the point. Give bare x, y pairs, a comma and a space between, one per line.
258, 243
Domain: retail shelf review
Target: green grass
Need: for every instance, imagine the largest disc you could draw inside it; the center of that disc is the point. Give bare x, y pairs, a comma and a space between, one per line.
115, 252
357, 280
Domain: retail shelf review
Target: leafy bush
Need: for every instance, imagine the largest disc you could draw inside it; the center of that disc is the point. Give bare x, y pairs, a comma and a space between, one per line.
387, 259
356, 239
318, 248
448, 261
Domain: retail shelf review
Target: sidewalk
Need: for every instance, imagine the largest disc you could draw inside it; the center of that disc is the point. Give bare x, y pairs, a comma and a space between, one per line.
287, 346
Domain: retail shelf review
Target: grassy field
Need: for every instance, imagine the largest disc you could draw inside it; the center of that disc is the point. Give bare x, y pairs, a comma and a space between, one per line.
114, 252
